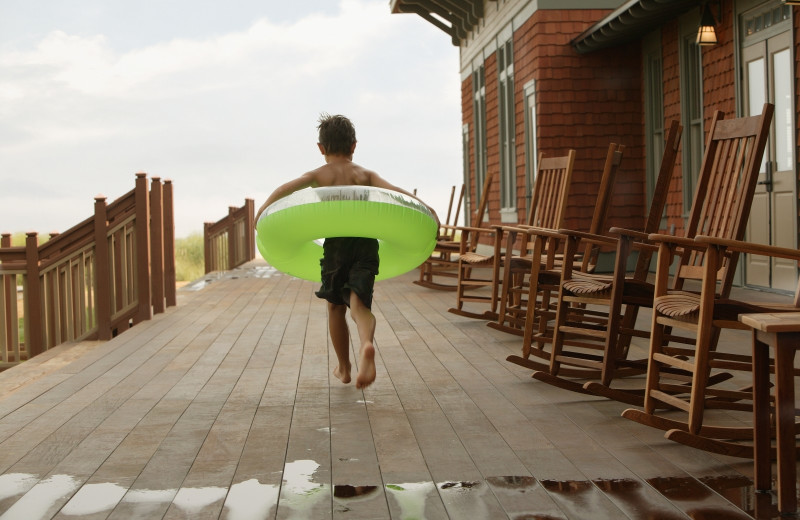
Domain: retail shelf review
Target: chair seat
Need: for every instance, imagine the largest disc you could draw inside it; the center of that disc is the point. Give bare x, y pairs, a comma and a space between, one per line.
587, 283
677, 304
473, 258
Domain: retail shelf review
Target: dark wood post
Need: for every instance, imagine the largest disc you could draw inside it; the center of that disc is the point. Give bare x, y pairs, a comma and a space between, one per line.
102, 269
157, 245
207, 246
232, 238
33, 308
250, 228
169, 245
145, 311
10, 291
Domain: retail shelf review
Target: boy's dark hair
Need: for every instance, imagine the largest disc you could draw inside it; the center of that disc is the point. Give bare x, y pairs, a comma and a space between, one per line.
336, 134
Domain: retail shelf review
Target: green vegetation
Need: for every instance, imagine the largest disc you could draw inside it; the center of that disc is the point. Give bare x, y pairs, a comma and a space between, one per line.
18, 239
189, 262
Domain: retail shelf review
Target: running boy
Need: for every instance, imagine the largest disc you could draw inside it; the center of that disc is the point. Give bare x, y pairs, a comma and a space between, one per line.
349, 264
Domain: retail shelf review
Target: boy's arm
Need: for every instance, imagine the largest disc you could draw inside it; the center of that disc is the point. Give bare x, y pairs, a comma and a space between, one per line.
304, 181
379, 182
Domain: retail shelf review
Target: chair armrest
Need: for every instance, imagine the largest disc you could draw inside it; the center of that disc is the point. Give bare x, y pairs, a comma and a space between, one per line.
672, 239
750, 247
542, 232
472, 229
631, 233
590, 237
514, 229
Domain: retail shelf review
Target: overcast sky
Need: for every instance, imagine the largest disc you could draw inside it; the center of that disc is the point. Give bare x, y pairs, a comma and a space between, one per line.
220, 97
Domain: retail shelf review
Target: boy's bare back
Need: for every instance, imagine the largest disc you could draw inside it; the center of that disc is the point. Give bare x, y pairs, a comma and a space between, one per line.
343, 173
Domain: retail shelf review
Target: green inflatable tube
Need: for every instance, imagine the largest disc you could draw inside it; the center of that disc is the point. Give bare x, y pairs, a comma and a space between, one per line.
290, 230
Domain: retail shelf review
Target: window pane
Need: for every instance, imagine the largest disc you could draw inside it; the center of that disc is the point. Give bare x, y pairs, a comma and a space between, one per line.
757, 93
783, 109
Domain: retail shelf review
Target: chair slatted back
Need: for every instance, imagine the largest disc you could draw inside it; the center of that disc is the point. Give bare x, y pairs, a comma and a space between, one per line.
725, 188
603, 204
660, 191
550, 190
483, 205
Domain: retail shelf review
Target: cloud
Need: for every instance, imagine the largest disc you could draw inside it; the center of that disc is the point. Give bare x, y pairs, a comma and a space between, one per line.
285, 54
226, 116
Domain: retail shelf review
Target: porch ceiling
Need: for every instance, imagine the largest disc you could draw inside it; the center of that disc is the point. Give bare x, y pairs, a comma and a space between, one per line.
455, 17
630, 21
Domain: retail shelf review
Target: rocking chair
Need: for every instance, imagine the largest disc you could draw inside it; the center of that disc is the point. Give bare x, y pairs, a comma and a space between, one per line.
548, 205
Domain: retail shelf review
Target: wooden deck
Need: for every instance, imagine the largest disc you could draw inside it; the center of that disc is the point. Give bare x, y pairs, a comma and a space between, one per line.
225, 407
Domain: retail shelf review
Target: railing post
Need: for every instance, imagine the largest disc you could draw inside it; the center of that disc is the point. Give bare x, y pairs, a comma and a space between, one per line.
207, 246
169, 246
232, 238
102, 269
10, 298
33, 309
157, 245
142, 198
250, 228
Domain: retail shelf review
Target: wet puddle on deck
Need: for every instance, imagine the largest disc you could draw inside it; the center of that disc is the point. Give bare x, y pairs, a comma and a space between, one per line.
250, 272
39, 495
410, 498
726, 497
94, 498
299, 492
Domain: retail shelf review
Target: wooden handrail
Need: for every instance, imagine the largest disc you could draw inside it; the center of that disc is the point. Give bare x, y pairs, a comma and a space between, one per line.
230, 242
93, 281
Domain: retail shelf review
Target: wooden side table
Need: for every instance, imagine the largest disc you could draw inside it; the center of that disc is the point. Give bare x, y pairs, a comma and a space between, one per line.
781, 331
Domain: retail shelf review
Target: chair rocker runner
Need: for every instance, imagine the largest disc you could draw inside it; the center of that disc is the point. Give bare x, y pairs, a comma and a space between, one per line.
725, 192
601, 337
530, 278
547, 210
442, 263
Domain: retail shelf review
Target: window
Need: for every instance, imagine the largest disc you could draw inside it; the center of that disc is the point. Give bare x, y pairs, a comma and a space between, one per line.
654, 110
479, 121
691, 70
531, 148
508, 176
465, 162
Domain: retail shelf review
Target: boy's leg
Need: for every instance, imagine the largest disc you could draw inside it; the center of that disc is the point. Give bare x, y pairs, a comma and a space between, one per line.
340, 337
365, 321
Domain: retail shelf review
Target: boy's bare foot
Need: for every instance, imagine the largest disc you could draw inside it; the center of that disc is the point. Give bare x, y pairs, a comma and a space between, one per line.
342, 375
366, 367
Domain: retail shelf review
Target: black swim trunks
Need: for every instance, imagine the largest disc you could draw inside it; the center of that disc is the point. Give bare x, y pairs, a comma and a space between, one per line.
348, 264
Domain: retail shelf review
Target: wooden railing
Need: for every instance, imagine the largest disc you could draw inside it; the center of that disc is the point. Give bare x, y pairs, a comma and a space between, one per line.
230, 241
93, 281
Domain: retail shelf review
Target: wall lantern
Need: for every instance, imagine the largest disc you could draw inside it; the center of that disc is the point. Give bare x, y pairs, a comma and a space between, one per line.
706, 33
